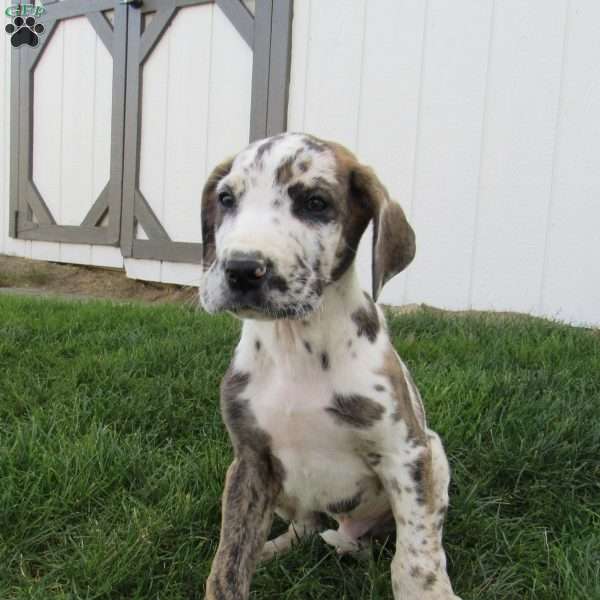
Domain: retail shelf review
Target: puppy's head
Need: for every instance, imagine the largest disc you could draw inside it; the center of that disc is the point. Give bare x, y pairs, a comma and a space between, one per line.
283, 219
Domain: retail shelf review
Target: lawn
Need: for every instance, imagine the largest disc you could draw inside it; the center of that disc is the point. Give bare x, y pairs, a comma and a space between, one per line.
112, 456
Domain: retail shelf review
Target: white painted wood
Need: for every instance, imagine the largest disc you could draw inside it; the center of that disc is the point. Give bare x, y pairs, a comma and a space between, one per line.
45, 251
389, 102
228, 117
518, 147
180, 273
301, 39
107, 256
571, 285
175, 93
147, 270
78, 254
333, 68
446, 175
48, 114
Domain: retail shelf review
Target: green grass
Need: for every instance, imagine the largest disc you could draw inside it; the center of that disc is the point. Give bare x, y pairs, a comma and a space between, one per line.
112, 456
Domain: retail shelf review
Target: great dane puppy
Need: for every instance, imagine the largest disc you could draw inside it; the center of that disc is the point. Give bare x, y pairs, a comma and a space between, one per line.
323, 415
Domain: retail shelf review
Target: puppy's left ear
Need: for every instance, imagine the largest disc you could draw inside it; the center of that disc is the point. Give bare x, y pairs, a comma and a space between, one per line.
393, 238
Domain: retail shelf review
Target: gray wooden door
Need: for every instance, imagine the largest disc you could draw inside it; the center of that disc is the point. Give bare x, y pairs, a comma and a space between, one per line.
267, 34
31, 216
131, 35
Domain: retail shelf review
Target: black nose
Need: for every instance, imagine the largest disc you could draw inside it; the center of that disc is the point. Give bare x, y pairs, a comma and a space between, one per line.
245, 274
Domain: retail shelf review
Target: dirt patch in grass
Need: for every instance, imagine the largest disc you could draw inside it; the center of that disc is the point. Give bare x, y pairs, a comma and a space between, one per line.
94, 282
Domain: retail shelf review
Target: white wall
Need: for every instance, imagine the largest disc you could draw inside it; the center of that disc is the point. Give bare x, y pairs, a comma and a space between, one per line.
482, 117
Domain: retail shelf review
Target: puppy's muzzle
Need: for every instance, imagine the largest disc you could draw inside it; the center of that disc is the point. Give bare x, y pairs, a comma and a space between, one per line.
246, 274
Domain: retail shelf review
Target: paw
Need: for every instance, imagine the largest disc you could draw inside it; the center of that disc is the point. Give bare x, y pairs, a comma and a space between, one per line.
24, 31
269, 552
344, 544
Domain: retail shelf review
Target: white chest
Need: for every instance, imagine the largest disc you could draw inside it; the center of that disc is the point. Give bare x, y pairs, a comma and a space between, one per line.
322, 459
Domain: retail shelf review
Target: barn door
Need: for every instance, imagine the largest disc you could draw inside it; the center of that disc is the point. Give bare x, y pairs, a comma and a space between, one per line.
68, 105
203, 77
124, 106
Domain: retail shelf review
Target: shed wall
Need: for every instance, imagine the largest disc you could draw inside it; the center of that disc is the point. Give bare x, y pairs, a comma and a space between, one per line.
482, 118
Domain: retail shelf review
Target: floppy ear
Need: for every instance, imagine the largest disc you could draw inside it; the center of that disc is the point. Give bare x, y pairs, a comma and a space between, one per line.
209, 212
393, 237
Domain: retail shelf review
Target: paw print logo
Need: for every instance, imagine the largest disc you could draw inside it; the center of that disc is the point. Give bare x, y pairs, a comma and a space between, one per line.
24, 31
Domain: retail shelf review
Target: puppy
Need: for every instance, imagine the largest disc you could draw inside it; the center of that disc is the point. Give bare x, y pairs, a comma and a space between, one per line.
323, 415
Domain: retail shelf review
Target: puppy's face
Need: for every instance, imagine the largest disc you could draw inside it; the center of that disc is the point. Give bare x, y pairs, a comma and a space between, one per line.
281, 221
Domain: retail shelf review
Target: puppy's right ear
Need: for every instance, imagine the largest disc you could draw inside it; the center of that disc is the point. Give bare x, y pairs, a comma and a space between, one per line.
209, 212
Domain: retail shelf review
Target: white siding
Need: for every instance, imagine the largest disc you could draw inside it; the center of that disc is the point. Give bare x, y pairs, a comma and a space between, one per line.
482, 117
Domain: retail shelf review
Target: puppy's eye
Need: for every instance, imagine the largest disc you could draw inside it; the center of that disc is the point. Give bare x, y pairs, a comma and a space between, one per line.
226, 199
315, 203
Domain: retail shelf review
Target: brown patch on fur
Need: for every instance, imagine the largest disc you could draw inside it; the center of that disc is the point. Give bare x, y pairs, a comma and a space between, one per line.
285, 170
422, 474
367, 321
254, 481
355, 410
405, 411
211, 217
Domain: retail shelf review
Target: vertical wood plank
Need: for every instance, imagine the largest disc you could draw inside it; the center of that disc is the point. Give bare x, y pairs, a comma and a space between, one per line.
301, 36
447, 168
78, 120
228, 119
333, 84
188, 85
389, 104
48, 90
516, 167
571, 285
155, 117
102, 114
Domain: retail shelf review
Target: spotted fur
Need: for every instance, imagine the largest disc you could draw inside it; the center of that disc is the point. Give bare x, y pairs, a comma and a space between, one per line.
323, 416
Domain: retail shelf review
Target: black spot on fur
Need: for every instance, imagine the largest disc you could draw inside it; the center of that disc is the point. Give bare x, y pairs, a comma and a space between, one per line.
373, 458
344, 506
367, 321
278, 283
307, 346
418, 475
325, 361
257, 345
379, 388
355, 410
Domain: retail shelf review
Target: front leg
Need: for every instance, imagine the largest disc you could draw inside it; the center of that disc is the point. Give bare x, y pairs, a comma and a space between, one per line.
247, 514
417, 487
